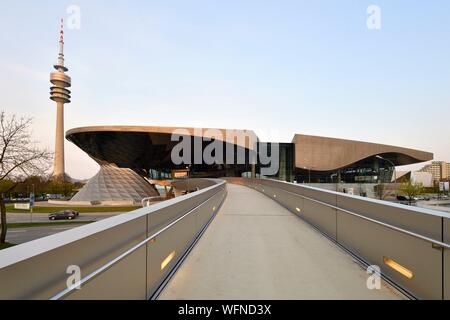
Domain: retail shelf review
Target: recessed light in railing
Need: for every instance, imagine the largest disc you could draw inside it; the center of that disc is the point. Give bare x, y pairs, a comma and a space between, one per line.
298, 209
274, 195
214, 208
398, 267
167, 260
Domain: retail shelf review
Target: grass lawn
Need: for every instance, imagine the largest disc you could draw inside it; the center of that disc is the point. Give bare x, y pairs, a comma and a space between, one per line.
6, 245
10, 208
43, 224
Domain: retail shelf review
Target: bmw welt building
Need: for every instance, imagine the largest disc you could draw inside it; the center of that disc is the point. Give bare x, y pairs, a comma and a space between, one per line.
131, 157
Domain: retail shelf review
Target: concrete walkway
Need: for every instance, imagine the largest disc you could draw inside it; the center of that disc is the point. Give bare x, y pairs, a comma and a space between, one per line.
256, 249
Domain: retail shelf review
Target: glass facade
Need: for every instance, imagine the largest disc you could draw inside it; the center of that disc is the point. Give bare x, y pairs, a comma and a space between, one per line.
286, 165
370, 170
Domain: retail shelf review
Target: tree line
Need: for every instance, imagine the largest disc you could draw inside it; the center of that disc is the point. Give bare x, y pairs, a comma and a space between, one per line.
41, 186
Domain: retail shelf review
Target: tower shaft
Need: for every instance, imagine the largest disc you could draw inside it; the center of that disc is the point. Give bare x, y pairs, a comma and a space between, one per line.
59, 166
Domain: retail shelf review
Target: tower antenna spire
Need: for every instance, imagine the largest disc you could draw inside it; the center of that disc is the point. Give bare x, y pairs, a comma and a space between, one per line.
61, 33
60, 66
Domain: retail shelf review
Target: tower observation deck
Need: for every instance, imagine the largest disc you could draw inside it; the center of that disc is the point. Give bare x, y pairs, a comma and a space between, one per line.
61, 95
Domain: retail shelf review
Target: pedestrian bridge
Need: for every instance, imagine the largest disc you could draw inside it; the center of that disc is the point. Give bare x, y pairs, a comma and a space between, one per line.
241, 239
257, 249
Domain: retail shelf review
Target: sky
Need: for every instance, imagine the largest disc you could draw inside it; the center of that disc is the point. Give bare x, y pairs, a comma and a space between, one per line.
276, 67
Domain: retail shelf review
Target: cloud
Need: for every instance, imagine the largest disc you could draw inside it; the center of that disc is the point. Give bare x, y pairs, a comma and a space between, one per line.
23, 70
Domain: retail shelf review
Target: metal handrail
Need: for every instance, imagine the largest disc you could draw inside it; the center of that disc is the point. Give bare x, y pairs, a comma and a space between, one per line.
112, 262
410, 233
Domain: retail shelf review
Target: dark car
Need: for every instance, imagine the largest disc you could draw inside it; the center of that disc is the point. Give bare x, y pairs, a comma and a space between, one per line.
64, 215
73, 211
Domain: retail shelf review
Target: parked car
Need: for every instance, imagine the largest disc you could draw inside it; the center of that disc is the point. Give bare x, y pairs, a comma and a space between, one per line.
423, 198
64, 215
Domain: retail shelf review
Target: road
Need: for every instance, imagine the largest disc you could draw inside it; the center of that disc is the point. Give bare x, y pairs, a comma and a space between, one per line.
43, 217
22, 235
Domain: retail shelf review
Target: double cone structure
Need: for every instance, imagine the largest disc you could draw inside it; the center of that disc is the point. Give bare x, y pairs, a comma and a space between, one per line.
114, 186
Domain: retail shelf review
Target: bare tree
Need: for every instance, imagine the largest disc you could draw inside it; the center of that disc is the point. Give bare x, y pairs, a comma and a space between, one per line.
19, 156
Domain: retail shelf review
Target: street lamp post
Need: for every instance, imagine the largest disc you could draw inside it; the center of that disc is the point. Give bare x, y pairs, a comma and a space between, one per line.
32, 200
309, 173
188, 168
393, 165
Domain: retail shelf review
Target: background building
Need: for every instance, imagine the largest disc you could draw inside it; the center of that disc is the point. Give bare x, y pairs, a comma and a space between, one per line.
440, 170
425, 178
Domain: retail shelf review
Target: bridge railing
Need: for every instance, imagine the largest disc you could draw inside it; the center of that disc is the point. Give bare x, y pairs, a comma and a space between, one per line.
124, 257
410, 245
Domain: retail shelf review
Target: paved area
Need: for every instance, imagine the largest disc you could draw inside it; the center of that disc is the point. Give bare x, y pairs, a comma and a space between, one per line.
256, 249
